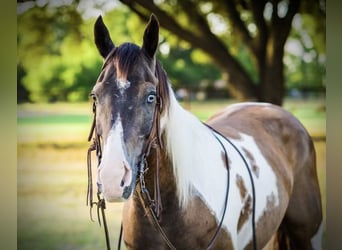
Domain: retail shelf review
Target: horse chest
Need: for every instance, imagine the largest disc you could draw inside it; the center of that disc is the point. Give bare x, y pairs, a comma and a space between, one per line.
190, 228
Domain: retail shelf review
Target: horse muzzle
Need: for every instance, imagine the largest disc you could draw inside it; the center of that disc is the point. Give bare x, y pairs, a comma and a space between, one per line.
116, 181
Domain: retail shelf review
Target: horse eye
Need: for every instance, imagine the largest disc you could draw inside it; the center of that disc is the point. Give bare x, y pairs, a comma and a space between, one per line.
151, 98
93, 96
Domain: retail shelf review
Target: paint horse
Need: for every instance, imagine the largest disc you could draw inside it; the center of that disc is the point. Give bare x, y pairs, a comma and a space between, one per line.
245, 179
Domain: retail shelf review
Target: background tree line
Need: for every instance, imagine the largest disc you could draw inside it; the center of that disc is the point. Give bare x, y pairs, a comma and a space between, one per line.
259, 49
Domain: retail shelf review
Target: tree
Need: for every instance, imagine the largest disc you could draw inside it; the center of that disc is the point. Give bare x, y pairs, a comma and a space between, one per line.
259, 27
58, 60
55, 56
305, 57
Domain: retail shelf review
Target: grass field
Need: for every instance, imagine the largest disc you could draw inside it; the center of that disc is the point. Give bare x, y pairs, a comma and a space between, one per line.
52, 175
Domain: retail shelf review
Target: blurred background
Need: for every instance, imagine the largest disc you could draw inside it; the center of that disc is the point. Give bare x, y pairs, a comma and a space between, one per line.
214, 52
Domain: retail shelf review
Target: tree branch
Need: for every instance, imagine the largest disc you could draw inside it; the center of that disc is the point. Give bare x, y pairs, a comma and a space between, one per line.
208, 42
258, 15
239, 25
282, 26
191, 11
205, 41
164, 18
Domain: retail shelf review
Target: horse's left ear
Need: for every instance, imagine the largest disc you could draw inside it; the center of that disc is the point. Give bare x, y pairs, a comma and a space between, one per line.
102, 38
151, 37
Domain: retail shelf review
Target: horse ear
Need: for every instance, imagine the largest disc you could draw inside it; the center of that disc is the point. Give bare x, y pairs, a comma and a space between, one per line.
151, 37
102, 38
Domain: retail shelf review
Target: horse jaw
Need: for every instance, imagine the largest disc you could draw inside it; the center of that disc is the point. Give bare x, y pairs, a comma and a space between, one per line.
115, 174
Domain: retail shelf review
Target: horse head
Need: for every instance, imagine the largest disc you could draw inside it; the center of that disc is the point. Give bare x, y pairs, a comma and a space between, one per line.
127, 97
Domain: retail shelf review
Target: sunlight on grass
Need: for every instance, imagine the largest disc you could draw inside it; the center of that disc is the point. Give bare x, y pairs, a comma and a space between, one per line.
52, 211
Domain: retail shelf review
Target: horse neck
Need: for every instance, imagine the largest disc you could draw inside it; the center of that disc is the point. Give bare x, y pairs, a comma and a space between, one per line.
190, 157
183, 138
190, 147
183, 166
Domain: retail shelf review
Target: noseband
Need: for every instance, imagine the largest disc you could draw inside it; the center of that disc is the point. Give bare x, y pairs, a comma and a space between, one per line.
153, 206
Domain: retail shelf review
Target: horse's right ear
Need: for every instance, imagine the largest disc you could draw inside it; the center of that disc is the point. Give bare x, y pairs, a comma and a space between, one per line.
102, 38
151, 36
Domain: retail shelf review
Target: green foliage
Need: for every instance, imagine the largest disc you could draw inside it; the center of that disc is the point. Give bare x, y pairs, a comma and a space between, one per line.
58, 57
305, 68
59, 61
184, 71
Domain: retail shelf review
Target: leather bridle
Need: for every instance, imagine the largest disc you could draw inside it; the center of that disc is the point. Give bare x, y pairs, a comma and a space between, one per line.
153, 206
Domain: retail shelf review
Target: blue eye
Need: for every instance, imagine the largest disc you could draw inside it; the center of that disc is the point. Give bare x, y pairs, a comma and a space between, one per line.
151, 98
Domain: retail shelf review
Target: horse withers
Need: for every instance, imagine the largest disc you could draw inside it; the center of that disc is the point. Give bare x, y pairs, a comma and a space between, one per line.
244, 179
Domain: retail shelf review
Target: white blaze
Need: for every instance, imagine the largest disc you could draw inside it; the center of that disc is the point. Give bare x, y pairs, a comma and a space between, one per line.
114, 172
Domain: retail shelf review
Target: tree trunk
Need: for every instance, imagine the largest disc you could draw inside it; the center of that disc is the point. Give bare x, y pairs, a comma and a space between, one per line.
271, 87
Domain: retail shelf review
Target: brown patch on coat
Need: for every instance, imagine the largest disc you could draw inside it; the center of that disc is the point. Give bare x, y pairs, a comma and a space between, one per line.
218, 122
245, 212
224, 159
255, 168
241, 186
266, 222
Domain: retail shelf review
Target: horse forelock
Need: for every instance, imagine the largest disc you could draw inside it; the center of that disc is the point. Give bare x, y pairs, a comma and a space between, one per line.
122, 58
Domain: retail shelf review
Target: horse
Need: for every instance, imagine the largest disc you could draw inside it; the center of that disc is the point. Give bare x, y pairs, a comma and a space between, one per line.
244, 179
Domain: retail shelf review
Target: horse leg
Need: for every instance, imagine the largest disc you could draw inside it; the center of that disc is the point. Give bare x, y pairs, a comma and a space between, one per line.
304, 213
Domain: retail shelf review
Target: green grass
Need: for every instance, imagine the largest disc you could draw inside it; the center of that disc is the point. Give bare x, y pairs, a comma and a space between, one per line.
66, 124
55, 119
52, 175
52, 211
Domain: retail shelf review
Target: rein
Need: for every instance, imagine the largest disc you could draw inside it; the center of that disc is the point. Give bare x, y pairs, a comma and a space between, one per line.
100, 203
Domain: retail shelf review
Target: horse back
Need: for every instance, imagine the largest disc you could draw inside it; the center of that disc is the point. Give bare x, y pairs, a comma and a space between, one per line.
276, 131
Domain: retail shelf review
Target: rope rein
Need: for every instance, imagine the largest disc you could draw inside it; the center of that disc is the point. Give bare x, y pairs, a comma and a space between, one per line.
100, 203
250, 176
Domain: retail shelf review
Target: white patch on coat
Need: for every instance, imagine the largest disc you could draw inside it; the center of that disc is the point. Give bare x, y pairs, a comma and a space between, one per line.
265, 185
123, 84
199, 168
114, 172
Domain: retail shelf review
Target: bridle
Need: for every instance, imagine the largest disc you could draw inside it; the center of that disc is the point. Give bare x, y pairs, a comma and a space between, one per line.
153, 206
